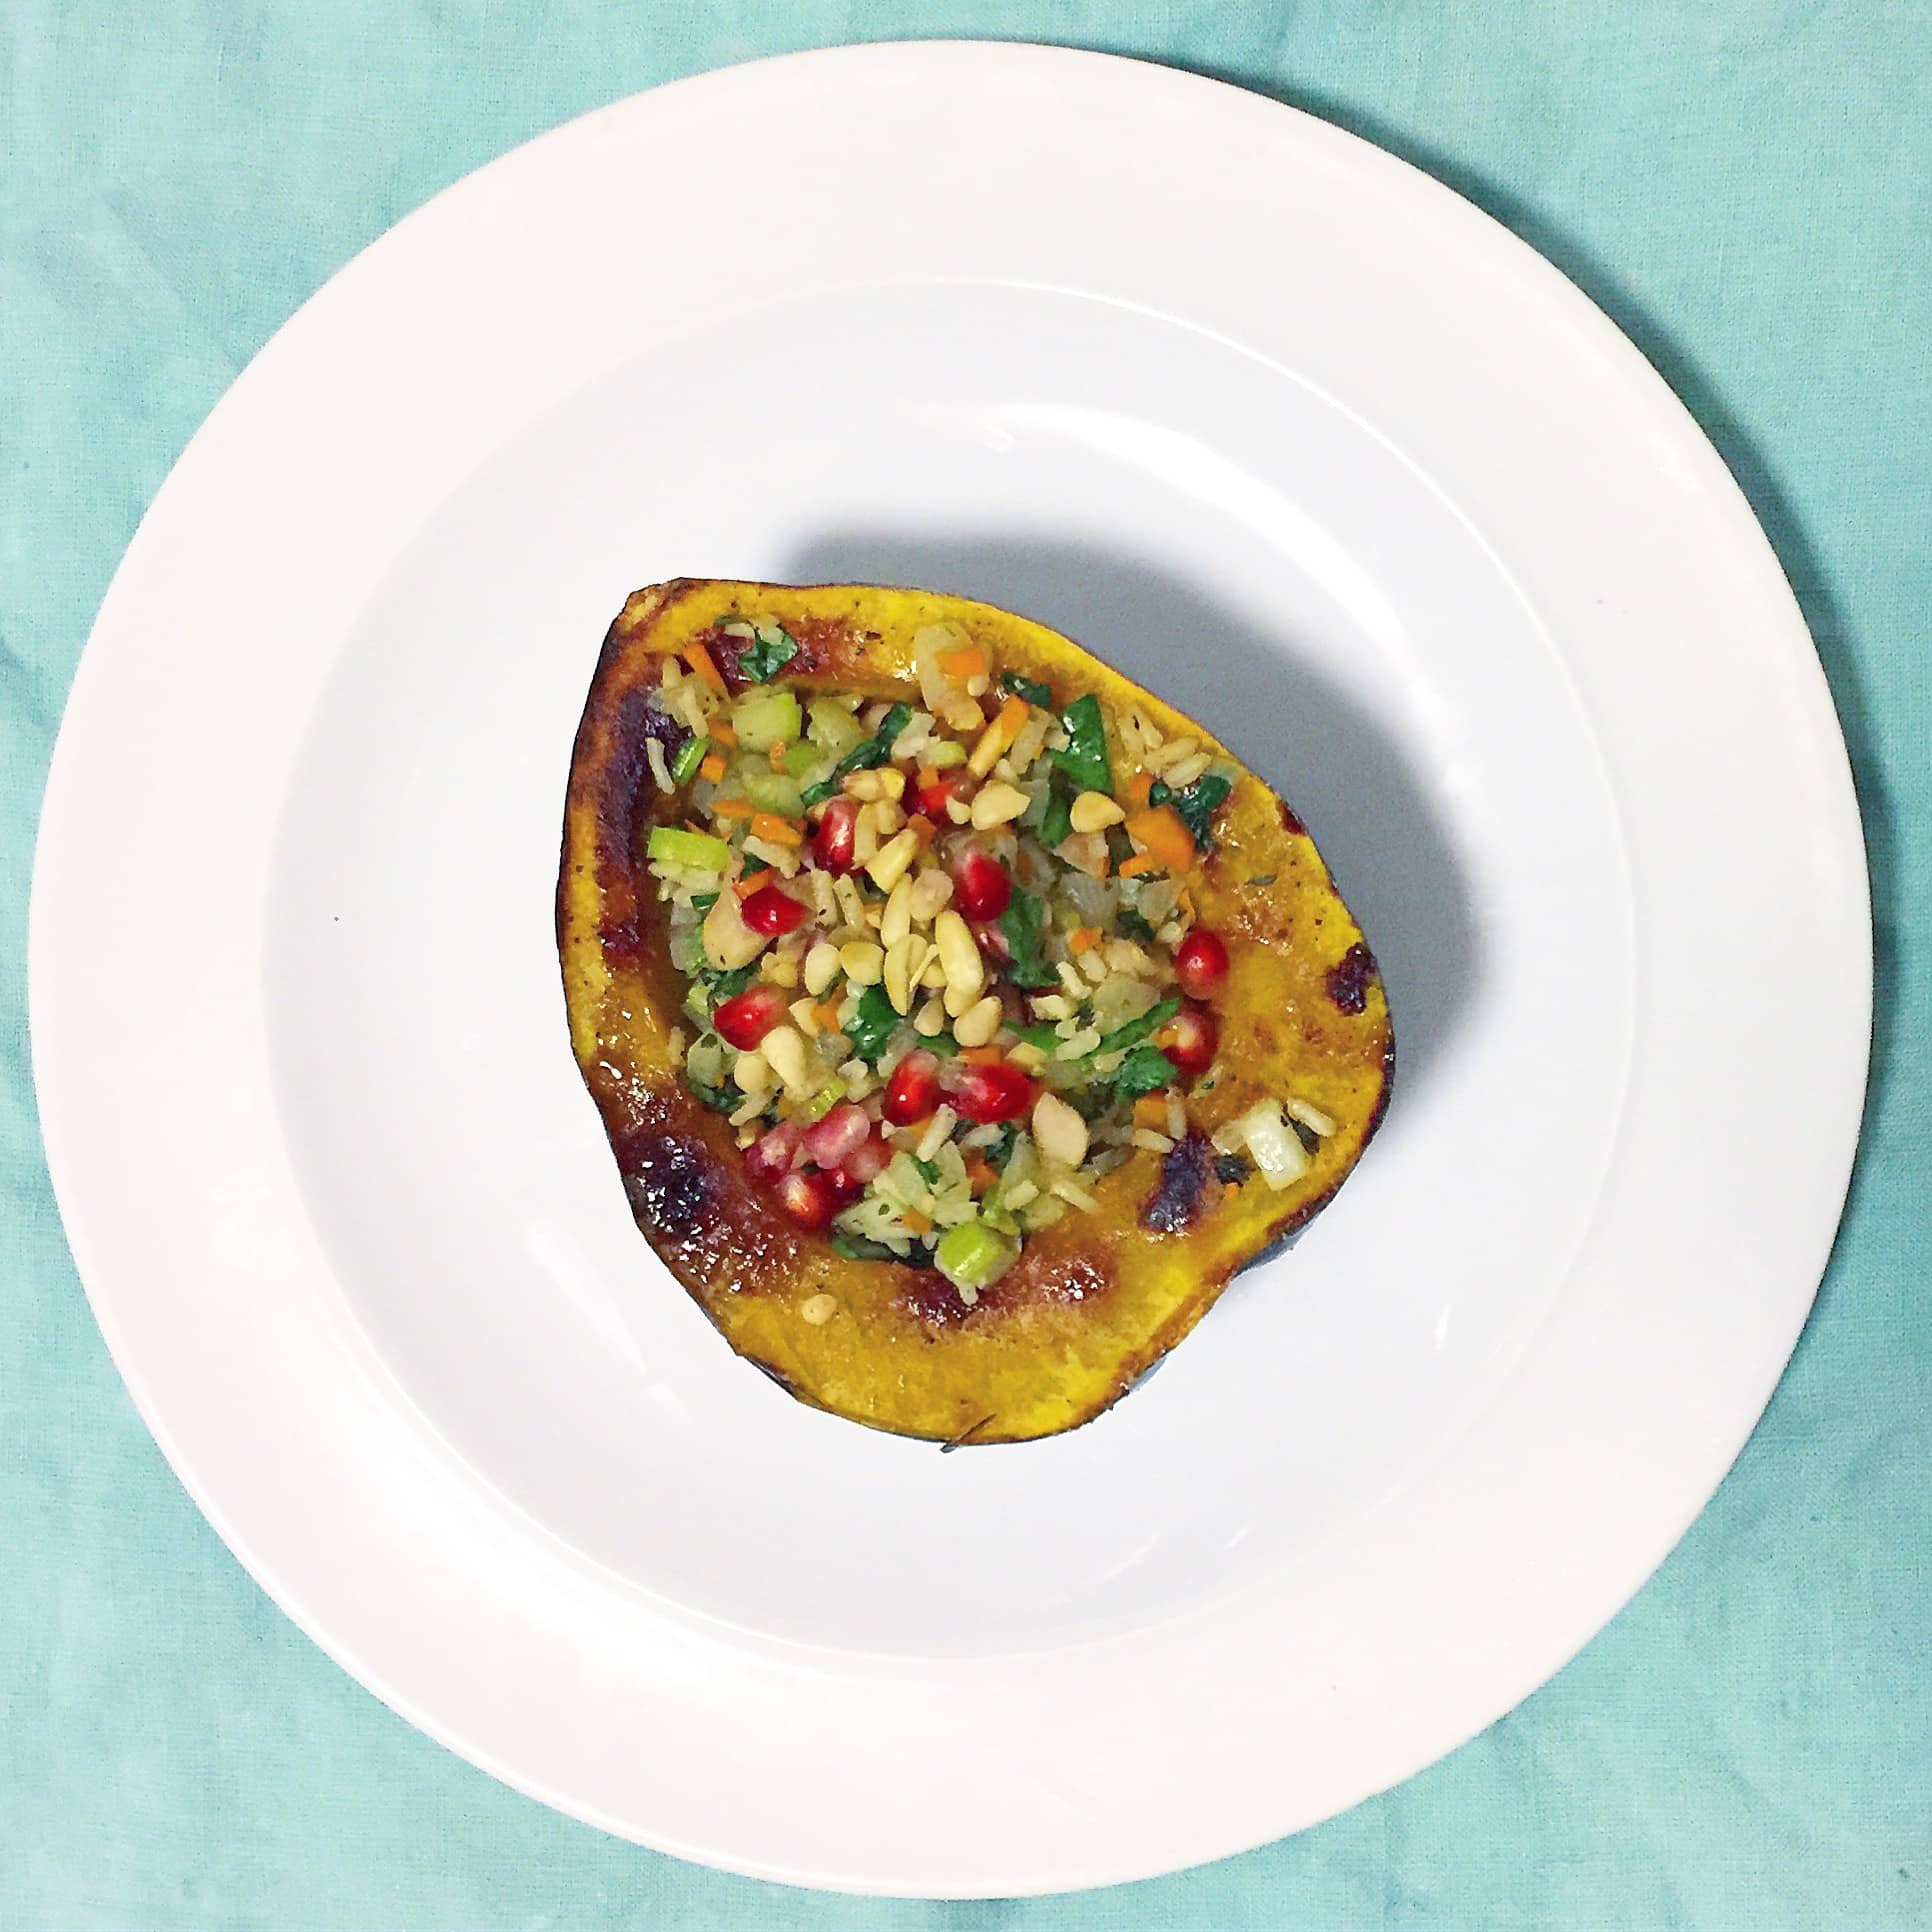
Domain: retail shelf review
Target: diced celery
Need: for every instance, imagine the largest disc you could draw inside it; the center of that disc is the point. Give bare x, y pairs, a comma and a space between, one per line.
698, 850
771, 791
827, 1097
802, 760
972, 1255
835, 729
763, 717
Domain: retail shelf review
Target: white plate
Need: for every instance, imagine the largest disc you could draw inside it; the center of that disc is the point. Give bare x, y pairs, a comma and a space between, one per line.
1301, 440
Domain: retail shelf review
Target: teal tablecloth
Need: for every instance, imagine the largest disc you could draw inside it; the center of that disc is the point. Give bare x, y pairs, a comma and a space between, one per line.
1746, 185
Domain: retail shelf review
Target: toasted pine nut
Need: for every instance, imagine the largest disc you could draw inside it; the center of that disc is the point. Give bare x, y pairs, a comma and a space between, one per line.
965, 971
784, 1047
977, 1025
997, 804
930, 1019
1094, 812
819, 1309
896, 921
892, 861
1058, 1130
821, 968
864, 963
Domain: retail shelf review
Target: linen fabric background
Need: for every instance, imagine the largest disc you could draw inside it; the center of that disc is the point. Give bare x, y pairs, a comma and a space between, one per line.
1746, 187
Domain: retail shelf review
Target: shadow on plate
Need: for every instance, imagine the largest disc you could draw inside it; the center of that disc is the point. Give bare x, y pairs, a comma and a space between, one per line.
1338, 764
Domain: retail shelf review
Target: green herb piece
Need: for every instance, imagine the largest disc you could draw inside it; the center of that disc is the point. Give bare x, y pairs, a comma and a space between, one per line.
1031, 689
1001, 1150
860, 1247
754, 865
1085, 758
770, 650
1041, 1035
1056, 822
871, 1026
704, 901
1197, 805
1021, 923
1132, 925
875, 751
942, 1044
1136, 1031
673, 845
1145, 1070
928, 1171
723, 984
684, 767
725, 1099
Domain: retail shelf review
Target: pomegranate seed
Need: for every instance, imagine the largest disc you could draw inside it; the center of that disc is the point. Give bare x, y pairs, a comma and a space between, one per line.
913, 1091
769, 1158
996, 1092
745, 1018
837, 831
772, 911
992, 942
983, 887
1189, 1039
840, 1135
810, 1199
1201, 963
865, 1163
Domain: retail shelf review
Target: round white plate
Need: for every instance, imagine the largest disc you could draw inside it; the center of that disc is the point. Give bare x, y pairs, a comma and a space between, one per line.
1296, 437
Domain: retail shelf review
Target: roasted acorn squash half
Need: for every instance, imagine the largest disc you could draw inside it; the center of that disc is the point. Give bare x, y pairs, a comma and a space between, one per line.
961, 1016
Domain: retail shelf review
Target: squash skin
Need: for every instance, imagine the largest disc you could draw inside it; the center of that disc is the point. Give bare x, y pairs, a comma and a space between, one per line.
1096, 1298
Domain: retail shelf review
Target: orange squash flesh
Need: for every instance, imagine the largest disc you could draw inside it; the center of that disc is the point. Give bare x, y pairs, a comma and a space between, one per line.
1099, 1296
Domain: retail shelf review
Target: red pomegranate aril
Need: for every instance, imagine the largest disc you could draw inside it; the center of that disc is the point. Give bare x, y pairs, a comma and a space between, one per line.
769, 1158
1189, 1039
840, 1135
745, 1018
810, 1199
773, 911
999, 1091
866, 1163
913, 1091
992, 942
836, 835
1201, 963
982, 887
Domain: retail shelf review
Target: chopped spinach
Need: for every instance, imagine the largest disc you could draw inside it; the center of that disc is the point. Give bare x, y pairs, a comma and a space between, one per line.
1042, 1035
1132, 925
770, 650
1021, 923
875, 751
871, 1026
1145, 1070
1001, 1150
1197, 805
1084, 759
684, 767
928, 1171
704, 901
1031, 689
1056, 823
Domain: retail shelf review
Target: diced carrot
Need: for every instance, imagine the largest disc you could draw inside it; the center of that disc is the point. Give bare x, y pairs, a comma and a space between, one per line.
980, 1174
1012, 717
986, 1056
750, 883
828, 1014
1137, 863
1083, 939
732, 808
783, 831
720, 729
969, 661
927, 775
712, 767
1164, 833
1150, 1110
917, 1222
1229, 1189
700, 661
1137, 790
922, 828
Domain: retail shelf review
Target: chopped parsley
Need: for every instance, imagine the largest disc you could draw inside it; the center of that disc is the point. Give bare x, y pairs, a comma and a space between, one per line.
1031, 689
1021, 923
1197, 805
1138, 1030
871, 1026
771, 649
1084, 759
1145, 1070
